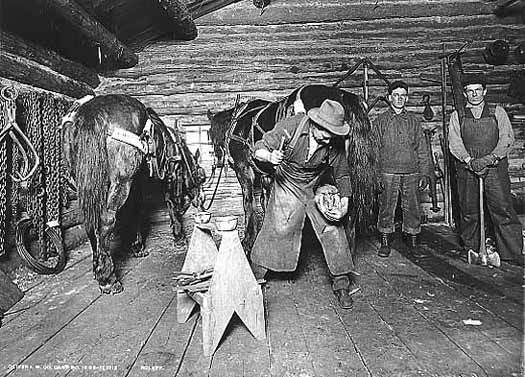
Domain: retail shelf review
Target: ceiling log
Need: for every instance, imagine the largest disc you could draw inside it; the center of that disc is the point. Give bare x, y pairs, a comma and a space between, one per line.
199, 8
26, 71
114, 54
181, 19
18, 46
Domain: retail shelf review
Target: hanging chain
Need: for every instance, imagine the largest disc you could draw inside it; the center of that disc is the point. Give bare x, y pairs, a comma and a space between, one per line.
36, 189
3, 177
50, 197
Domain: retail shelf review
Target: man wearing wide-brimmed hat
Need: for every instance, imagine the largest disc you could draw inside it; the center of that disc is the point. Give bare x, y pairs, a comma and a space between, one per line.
480, 140
314, 144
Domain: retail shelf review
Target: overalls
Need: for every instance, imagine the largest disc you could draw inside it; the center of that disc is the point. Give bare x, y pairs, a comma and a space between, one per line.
480, 137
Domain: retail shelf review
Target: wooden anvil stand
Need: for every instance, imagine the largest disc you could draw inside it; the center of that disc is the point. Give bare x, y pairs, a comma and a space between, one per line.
233, 287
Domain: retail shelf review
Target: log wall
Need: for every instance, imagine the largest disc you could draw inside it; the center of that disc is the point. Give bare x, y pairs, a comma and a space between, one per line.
295, 42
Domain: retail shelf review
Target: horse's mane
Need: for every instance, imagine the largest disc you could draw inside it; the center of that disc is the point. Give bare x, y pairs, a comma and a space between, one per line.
157, 121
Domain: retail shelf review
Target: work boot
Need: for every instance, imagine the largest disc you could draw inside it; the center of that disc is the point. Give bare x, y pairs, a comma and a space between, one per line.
344, 298
384, 250
410, 240
341, 286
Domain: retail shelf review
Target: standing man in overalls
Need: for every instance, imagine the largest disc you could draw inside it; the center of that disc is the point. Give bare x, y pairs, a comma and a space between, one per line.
480, 142
315, 144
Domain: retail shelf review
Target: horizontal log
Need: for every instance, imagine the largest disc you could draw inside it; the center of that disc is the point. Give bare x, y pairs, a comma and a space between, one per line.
17, 46
23, 70
26, 88
358, 28
114, 54
335, 10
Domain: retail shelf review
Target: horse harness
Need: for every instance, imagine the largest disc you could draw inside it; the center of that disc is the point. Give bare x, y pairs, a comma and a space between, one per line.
145, 143
283, 111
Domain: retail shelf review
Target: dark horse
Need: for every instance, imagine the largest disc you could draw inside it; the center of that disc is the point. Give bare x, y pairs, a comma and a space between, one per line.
111, 143
255, 118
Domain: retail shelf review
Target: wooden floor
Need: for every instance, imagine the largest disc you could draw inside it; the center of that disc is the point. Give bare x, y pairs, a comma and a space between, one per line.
410, 318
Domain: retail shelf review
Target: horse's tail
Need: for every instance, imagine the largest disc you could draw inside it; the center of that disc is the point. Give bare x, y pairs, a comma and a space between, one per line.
363, 152
90, 167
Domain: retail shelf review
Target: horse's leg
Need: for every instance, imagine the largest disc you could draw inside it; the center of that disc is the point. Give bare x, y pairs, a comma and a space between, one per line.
246, 178
105, 267
138, 194
175, 221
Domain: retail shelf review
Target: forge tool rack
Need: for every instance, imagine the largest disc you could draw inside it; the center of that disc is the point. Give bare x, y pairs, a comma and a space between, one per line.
231, 289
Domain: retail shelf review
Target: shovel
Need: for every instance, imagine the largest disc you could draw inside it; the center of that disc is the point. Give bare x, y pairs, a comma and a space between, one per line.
483, 257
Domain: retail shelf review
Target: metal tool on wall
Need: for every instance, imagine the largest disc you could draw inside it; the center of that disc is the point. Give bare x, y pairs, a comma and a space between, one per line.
367, 64
437, 174
428, 113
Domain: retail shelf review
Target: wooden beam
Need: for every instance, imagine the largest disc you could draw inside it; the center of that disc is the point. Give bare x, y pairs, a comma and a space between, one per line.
112, 50
15, 45
23, 70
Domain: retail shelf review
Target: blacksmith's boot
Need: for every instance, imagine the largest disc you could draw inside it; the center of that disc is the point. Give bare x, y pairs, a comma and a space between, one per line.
341, 288
384, 250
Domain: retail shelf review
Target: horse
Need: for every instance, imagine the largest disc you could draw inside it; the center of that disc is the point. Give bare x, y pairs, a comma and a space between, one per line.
111, 144
236, 138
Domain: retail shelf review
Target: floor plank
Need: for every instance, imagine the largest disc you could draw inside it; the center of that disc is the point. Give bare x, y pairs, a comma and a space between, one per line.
444, 309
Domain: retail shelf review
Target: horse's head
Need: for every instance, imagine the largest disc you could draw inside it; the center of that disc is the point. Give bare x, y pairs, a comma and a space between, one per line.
219, 124
184, 178
195, 181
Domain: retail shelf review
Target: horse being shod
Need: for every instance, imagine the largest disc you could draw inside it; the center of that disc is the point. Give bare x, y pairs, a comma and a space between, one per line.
111, 143
238, 137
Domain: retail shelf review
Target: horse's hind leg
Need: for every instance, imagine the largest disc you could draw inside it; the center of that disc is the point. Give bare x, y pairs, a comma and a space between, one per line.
137, 209
104, 265
246, 179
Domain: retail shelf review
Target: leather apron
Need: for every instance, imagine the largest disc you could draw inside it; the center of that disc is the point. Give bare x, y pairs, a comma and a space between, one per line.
278, 244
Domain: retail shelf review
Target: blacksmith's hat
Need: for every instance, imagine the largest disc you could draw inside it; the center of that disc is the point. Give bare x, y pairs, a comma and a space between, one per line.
331, 117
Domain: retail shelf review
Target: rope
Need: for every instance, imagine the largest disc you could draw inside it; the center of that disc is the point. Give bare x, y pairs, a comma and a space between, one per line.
215, 190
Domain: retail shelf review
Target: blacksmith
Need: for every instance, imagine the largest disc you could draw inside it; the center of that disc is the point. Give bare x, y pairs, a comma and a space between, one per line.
405, 166
481, 142
315, 145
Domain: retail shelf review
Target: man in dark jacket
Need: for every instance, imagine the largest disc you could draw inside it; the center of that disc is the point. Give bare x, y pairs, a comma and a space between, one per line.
315, 144
480, 142
405, 167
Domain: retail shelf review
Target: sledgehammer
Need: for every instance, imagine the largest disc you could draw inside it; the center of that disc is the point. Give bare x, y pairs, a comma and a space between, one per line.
483, 256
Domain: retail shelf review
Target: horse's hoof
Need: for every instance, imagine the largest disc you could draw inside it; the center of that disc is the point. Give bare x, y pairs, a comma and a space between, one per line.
112, 289
140, 253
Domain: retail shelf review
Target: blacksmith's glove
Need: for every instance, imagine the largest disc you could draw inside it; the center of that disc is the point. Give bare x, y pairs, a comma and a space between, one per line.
478, 164
423, 182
